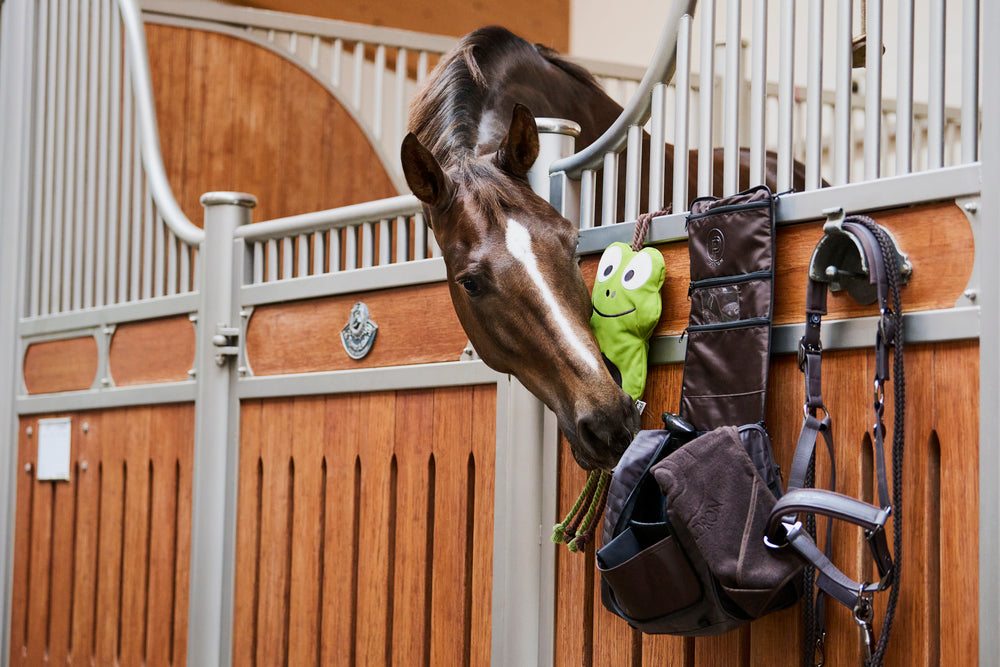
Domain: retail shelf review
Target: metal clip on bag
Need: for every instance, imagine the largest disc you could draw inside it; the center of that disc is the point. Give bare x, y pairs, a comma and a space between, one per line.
688, 506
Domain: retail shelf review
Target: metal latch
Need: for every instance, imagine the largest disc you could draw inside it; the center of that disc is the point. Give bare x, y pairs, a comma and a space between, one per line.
227, 340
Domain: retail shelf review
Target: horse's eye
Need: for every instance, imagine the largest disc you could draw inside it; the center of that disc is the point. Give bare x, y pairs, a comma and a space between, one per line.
470, 286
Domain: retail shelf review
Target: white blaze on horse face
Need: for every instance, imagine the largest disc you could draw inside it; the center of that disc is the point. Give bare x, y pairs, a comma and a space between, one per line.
519, 246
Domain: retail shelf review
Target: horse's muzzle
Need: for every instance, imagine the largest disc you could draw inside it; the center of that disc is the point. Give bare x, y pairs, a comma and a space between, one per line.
604, 434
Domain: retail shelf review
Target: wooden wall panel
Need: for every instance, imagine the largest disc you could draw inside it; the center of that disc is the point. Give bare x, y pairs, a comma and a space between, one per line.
939, 278
101, 561
939, 577
365, 528
546, 22
234, 116
60, 365
150, 351
417, 325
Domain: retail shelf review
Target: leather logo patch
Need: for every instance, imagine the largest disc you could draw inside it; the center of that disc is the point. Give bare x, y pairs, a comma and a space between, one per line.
716, 246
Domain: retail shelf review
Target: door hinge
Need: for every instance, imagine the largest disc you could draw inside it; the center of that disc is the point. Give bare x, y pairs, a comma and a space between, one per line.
227, 340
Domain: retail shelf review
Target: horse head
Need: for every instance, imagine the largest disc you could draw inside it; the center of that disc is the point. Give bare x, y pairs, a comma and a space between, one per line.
516, 285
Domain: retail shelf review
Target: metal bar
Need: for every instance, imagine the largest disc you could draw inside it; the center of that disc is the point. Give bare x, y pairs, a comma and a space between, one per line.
970, 81
35, 269
681, 104
609, 197
935, 86
814, 98
731, 101
125, 213
287, 259
402, 239
186, 252
172, 243
137, 219
258, 262
318, 253
150, 249
59, 205
419, 236
359, 62
842, 118
421, 67
367, 244
758, 91
335, 250
80, 104
115, 397
588, 198
314, 52
116, 170
904, 89
400, 96
350, 248
786, 97
71, 241
384, 242
378, 121
90, 277
302, 255
706, 92
657, 142
272, 260
873, 90
633, 164
331, 218
336, 62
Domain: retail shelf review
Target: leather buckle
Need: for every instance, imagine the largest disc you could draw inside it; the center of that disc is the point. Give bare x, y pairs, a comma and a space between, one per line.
805, 348
879, 547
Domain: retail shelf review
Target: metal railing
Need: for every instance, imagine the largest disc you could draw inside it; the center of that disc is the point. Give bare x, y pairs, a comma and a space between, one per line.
104, 227
838, 135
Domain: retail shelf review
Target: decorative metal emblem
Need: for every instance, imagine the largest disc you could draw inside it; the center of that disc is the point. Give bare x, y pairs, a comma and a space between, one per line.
716, 246
359, 334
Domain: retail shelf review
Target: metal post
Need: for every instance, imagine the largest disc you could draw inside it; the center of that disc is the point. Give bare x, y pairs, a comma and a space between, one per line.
988, 247
556, 139
215, 441
16, 63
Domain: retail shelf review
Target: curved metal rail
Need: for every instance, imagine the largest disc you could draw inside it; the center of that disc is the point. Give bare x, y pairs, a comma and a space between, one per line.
661, 69
152, 158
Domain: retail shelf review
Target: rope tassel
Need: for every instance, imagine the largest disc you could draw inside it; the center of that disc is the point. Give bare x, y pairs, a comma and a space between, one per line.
577, 529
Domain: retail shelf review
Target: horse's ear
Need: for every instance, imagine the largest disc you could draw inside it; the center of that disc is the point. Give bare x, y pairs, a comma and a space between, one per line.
423, 173
519, 148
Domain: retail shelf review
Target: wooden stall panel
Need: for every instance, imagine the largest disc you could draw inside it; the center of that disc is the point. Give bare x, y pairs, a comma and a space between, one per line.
416, 325
160, 350
365, 528
939, 577
235, 116
60, 365
939, 278
101, 561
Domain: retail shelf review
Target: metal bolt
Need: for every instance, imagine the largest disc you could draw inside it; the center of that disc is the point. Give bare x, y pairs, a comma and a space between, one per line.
970, 294
971, 206
83, 466
242, 370
86, 427
192, 372
27, 467
106, 381
244, 313
29, 431
107, 331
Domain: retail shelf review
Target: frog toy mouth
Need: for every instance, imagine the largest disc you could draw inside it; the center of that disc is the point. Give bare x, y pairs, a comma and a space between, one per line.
632, 310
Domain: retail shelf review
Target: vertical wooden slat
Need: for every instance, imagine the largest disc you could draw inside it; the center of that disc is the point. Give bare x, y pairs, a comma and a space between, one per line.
377, 417
452, 429
109, 548
956, 395
414, 420
89, 454
272, 640
22, 543
247, 536
484, 448
573, 624
135, 541
307, 535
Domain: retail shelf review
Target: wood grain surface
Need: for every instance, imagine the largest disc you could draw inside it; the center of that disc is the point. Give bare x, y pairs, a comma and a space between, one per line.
152, 351
365, 525
101, 562
416, 325
60, 365
234, 116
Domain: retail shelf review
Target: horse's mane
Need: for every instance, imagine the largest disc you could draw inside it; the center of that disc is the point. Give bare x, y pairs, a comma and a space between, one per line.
445, 113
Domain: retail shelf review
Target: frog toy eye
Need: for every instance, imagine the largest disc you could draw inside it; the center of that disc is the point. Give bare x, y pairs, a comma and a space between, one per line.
610, 261
637, 271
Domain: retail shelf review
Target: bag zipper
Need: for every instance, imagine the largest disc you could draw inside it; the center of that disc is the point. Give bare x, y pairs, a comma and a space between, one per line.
729, 208
729, 280
738, 324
